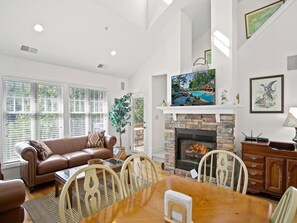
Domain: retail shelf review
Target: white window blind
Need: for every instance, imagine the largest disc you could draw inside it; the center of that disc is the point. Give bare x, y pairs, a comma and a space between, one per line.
88, 110
31, 111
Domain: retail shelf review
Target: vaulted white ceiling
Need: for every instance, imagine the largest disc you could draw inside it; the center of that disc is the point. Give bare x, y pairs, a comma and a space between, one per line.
81, 34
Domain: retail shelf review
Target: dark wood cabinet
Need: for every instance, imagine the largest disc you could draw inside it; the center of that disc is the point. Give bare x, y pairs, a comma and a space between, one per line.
291, 169
274, 175
272, 166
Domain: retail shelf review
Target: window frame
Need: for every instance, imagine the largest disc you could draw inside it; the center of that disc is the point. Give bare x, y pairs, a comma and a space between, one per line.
65, 113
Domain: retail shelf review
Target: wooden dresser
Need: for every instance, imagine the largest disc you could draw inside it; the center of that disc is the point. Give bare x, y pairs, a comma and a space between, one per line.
272, 166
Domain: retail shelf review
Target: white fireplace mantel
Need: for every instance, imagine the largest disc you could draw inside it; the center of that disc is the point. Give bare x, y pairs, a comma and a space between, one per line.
202, 109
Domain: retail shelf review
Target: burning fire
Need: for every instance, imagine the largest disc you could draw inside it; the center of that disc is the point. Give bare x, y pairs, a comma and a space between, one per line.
197, 149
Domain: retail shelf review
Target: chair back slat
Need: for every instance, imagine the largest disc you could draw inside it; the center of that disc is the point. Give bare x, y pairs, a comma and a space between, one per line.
99, 183
286, 208
227, 175
141, 172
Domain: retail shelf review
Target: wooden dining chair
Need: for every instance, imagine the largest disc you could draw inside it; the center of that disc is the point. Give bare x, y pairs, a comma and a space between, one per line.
95, 187
230, 171
286, 208
138, 172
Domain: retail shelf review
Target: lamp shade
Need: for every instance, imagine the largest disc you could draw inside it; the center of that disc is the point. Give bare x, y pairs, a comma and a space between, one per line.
291, 120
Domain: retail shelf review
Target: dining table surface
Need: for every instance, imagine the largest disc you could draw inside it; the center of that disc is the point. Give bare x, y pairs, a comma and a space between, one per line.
209, 204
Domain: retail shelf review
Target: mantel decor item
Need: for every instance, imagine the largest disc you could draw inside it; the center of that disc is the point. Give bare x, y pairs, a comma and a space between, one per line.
267, 94
255, 19
291, 121
120, 114
201, 64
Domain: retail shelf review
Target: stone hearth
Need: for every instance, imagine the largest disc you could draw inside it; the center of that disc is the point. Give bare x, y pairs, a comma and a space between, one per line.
224, 129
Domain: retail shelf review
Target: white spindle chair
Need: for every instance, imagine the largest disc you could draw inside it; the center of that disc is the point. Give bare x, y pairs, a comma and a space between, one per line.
230, 172
138, 172
86, 183
286, 208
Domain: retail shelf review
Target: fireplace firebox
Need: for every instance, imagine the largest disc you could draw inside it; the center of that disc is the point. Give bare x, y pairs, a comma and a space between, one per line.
191, 145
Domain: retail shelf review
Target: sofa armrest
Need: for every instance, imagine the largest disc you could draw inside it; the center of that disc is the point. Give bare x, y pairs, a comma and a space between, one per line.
26, 151
109, 141
12, 194
28, 166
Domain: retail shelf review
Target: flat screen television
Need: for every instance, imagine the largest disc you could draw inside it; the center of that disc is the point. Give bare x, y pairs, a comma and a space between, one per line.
196, 88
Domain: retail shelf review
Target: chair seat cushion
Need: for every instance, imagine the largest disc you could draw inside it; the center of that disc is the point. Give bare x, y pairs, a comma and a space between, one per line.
52, 164
101, 153
77, 158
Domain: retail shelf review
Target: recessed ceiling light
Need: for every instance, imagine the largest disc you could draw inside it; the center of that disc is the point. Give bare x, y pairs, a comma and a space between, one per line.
113, 53
38, 28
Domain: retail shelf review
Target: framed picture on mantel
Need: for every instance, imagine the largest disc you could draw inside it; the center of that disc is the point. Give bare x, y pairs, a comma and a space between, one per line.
267, 94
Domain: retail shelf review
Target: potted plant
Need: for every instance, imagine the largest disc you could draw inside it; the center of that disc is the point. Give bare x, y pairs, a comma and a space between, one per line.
120, 114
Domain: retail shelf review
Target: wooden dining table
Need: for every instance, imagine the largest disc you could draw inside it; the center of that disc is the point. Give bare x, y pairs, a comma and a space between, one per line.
210, 204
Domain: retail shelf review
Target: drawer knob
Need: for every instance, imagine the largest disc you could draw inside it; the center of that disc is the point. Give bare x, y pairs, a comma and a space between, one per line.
253, 182
253, 165
252, 173
253, 157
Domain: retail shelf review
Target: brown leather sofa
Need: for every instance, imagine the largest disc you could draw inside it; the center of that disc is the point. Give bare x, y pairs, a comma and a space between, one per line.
12, 196
67, 152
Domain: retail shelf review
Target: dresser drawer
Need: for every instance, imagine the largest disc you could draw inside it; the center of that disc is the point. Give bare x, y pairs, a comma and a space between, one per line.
259, 184
256, 174
254, 165
253, 158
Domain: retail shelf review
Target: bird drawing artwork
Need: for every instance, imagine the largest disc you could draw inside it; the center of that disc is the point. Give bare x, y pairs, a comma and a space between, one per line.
266, 97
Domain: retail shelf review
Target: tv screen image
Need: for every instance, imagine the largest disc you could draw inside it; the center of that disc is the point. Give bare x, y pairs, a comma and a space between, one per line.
196, 88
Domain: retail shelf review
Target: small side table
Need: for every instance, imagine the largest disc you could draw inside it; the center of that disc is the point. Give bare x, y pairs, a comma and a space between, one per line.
1, 175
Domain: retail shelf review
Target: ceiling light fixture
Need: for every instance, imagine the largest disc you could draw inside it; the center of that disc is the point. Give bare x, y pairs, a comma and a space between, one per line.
113, 53
38, 28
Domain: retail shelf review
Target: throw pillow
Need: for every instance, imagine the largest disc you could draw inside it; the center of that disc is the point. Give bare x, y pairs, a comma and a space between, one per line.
43, 151
96, 139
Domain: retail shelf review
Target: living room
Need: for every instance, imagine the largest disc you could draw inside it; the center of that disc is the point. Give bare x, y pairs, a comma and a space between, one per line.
177, 45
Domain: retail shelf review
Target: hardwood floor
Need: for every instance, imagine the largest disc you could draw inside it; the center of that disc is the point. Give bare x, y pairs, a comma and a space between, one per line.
48, 188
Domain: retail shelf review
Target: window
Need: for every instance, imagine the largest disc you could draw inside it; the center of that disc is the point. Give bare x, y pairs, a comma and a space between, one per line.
31, 110
88, 110
35, 111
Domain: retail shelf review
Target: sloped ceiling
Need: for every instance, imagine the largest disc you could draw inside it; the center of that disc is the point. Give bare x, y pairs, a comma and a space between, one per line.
81, 34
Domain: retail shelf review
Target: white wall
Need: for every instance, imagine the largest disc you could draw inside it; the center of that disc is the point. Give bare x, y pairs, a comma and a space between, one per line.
244, 7
200, 45
265, 55
141, 82
16, 67
159, 93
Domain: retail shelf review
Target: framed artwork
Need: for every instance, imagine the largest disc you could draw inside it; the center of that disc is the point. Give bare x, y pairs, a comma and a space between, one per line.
255, 19
267, 94
207, 56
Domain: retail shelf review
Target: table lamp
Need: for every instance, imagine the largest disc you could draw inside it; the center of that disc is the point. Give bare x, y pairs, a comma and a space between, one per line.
291, 121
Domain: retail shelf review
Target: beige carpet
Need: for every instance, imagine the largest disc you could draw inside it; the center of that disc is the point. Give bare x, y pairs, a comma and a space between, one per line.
45, 209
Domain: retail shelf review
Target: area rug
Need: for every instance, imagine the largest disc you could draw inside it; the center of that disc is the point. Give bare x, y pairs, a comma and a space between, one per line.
45, 209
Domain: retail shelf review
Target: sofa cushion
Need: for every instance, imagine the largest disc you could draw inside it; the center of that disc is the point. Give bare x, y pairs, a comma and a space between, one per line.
52, 164
77, 158
101, 153
67, 145
43, 151
96, 139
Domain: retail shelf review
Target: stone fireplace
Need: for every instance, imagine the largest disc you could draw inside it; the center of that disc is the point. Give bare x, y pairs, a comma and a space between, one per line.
192, 132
